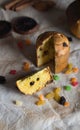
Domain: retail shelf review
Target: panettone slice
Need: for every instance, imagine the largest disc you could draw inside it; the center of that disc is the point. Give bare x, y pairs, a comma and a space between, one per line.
35, 82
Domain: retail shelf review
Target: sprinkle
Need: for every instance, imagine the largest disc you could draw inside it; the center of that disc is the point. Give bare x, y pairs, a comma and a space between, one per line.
18, 103
40, 102
41, 97
73, 79
56, 77
26, 66
50, 95
62, 100
13, 72
28, 41
20, 45
75, 70
68, 88
2, 79
66, 104
74, 84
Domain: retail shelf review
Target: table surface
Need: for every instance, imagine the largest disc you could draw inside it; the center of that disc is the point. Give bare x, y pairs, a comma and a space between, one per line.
29, 116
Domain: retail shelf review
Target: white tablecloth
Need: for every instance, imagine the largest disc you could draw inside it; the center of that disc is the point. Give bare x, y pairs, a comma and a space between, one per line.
29, 116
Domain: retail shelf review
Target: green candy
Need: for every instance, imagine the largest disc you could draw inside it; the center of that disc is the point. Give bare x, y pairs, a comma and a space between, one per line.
56, 77
68, 88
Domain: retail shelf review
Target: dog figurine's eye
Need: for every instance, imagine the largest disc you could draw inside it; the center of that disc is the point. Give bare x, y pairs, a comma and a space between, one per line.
65, 44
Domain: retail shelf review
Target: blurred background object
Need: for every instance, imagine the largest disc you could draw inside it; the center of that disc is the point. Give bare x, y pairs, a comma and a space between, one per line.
59, 3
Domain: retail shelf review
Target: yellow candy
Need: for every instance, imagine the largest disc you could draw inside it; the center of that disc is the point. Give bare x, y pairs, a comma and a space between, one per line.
68, 71
70, 65
75, 70
57, 90
56, 94
18, 103
41, 97
73, 80
57, 97
40, 102
50, 95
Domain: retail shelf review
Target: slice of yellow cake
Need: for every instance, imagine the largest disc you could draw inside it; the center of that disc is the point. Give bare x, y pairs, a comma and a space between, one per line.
35, 82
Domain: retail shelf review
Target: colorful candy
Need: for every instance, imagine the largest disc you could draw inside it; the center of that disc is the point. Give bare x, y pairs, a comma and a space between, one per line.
74, 84
75, 70
73, 79
28, 42
18, 103
41, 97
70, 66
56, 77
57, 94
20, 45
40, 102
50, 95
71, 69
57, 97
68, 88
68, 71
13, 72
2, 79
62, 100
26, 66
57, 90
66, 104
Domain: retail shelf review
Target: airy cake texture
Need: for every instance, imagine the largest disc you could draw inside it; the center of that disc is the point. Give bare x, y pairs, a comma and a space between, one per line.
37, 81
52, 46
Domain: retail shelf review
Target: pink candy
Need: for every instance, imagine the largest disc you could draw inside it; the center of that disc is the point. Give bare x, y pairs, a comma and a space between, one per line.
13, 72
74, 84
20, 45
